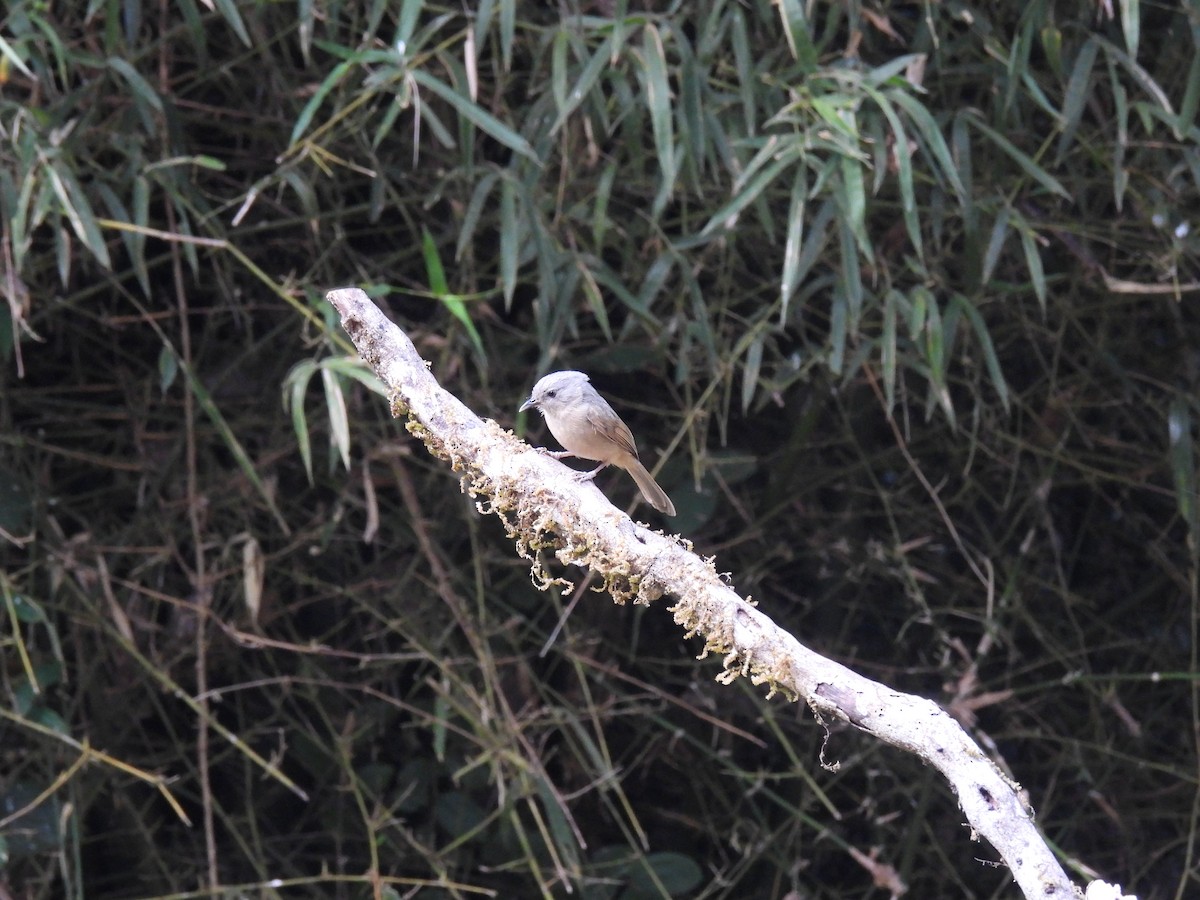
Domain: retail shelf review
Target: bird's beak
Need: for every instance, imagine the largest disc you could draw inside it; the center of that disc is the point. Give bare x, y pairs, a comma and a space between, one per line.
528, 404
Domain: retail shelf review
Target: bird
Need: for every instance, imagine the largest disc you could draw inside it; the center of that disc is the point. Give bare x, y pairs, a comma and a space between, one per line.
588, 428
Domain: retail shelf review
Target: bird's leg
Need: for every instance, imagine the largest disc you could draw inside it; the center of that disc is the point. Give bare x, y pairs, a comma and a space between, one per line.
588, 476
555, 454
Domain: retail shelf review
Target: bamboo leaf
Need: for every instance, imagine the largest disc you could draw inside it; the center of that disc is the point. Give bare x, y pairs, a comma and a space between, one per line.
725, 217
295, 387
232, 444
904, 171
658, 101
753, 365
1191, 97
795, 30
995, 245
440, 288
1076, 96
78, 210
509, 240
508, 31
936, 344
476, 115
332, 80
1183, 466
839, 317
410, 14
814, 242
355, 368
139, 85
746, 72
14, 58
568, 102
887, 348
1142, 77
339, 418
595, 299
229, 11
1023, 160
793, 243
470, 221
852, 196
849, 274
1131, 18
1033, 258
984, 337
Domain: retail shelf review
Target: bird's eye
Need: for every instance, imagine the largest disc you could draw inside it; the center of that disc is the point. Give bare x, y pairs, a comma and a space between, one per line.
551, 393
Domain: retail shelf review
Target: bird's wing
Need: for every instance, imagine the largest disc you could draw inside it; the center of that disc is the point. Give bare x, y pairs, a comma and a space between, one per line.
609, 424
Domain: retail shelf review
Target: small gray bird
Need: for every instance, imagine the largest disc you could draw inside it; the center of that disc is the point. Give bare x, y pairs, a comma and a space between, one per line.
587, 427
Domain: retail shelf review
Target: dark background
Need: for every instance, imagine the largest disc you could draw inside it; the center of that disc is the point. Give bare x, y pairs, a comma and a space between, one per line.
903, 293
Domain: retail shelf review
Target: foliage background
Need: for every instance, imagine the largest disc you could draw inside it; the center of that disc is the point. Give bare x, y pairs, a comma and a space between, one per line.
903, 292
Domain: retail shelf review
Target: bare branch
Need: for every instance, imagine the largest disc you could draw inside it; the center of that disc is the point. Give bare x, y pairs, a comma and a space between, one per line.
544, 508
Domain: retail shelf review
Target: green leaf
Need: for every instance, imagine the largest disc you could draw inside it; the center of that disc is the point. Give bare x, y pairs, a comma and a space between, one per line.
11, 55
839, 316
746, 72
849, 274
995, 245
306, 19
723, 217
814, 242
754, 357
508, 30
1183, 466
232, 444
295, 387
793, 242
168, 370
1023, 160
936, 344
694, 78
29, 612
332, 80
339, 418
435, 272
852, 197
584, 84
595, 299
600, 199
1142, 77
887, 347
990, 359
1033, 259
470, 221
658, 101
795, 30
931, 139
139, 85
75, 206
1131, 18
476, 115
1076, 96
438, 285
410, 14
355, 368
229, 10
1191, 97
667, 871
509, 240
904, 171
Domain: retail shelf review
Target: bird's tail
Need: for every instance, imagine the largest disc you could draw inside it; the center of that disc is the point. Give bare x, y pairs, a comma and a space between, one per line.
654, 495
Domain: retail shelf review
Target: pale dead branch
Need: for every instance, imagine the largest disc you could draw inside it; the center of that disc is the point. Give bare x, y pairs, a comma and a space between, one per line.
544, 508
